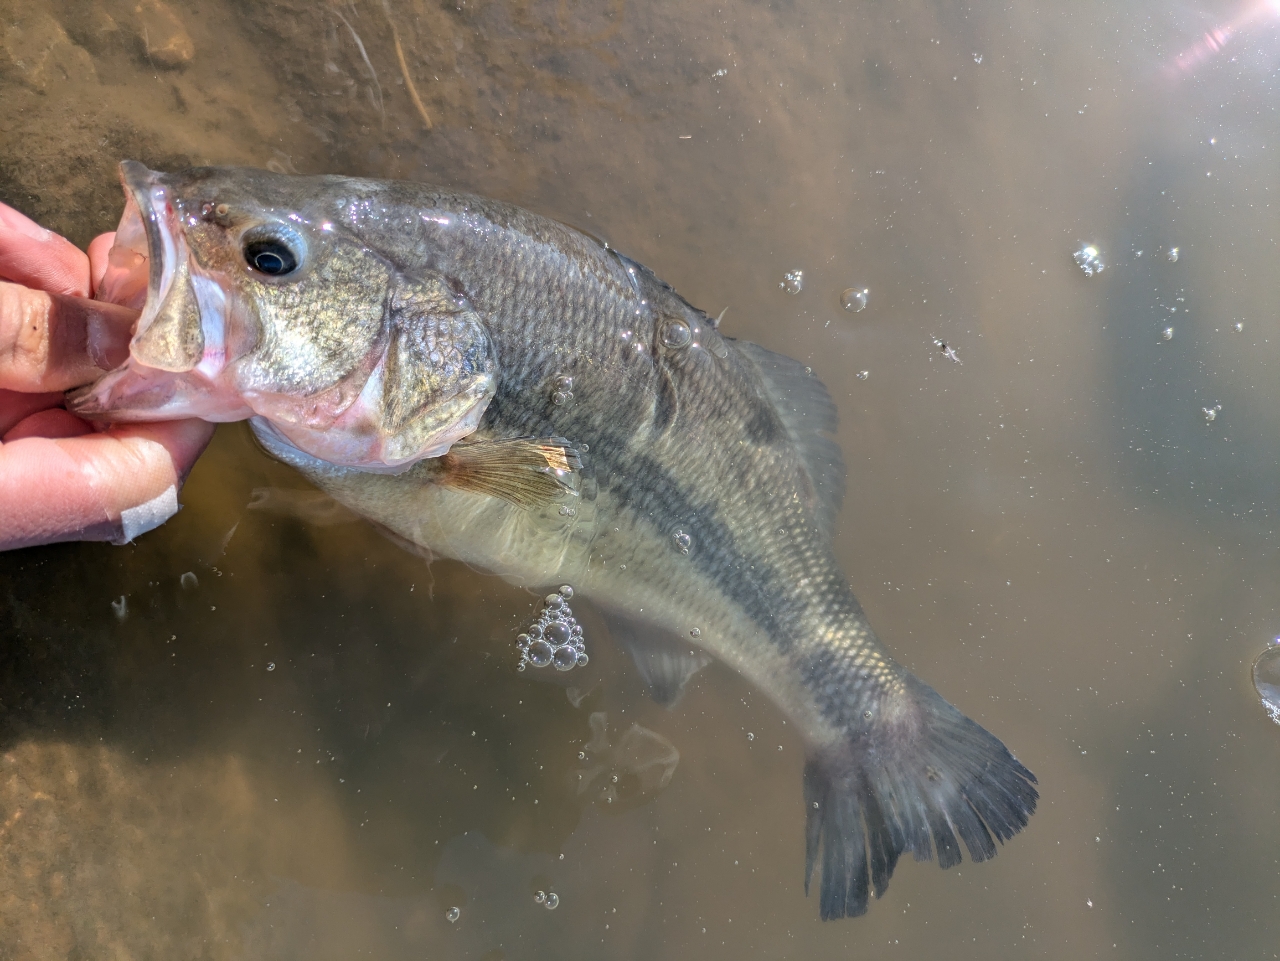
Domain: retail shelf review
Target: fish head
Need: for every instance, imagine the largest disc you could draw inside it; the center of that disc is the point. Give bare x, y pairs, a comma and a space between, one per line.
260, 299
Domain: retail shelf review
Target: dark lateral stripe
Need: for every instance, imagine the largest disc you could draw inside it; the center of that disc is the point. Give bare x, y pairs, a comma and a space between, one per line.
648, 490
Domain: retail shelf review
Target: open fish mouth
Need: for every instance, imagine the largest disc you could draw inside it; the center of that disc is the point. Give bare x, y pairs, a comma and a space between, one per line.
175, 355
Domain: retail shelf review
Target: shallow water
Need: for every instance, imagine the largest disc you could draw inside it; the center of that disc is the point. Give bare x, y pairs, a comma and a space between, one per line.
318, 745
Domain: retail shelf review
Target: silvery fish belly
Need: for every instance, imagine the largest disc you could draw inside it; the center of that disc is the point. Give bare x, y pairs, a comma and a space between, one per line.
501, 389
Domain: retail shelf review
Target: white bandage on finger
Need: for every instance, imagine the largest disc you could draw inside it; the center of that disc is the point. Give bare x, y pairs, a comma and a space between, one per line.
146, 517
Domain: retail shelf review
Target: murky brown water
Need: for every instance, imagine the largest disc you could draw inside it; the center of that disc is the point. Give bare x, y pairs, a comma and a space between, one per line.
321, 745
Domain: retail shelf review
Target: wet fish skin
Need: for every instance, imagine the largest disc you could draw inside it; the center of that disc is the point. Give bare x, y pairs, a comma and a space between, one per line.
681, 433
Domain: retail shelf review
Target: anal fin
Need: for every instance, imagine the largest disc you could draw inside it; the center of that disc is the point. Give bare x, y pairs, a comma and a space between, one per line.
526, 471
664, 661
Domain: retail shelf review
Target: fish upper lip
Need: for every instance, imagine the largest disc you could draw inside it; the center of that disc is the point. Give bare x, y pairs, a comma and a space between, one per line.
147, 204
147, 227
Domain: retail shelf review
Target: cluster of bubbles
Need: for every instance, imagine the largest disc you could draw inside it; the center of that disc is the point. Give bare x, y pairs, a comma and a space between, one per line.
1211, 413
555, 638
1266, 679
851, 298
561, 389
1089, 259
549, 899
684, 543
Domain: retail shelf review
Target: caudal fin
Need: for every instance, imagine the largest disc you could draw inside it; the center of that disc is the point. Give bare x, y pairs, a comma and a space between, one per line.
921, 777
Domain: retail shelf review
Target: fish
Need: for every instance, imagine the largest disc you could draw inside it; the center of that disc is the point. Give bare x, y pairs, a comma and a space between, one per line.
494, 386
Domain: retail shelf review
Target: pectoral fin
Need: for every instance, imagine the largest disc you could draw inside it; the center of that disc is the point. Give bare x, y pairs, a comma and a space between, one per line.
525, 471
665, 661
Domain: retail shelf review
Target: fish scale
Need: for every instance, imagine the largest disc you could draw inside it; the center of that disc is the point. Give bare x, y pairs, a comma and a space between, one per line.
689, 486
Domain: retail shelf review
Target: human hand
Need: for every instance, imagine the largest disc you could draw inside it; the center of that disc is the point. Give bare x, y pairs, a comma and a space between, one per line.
62, 478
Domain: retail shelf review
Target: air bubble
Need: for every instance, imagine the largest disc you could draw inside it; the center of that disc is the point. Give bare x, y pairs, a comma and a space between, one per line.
1166, 334
563, 382
792, 281
271, 666
1266, 678
555, 638
539, 897
1171, 255
862, 374
750, 736
1238, 328
683, 542
561, 397
553, 900
854, 298
1089, 259
695, 632
676, 335
564, 659
188, 581
453, 914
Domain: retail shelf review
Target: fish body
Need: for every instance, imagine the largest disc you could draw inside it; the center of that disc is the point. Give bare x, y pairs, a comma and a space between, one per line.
695, 494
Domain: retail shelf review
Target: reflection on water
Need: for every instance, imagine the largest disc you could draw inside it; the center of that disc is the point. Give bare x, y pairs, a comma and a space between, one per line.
1054, 531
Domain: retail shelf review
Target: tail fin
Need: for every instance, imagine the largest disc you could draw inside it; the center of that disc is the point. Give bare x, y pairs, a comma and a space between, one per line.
921, 777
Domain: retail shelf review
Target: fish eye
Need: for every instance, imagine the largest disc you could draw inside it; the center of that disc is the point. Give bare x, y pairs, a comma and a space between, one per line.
271, 256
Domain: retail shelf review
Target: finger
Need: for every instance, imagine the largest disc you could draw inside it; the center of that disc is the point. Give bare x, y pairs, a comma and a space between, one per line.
99, 247
39, 258
53, 342
53, 423
111, 486
16, 406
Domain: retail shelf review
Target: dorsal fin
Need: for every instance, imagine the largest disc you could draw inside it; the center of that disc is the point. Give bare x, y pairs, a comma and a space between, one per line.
807, 411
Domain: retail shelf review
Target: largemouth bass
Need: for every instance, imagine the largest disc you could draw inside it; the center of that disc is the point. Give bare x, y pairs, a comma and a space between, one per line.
499, 388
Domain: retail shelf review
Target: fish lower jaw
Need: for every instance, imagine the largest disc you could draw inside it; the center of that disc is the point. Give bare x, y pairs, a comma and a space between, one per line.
135, 393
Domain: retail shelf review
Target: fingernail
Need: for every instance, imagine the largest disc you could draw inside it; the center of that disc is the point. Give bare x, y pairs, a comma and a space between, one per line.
22, 224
